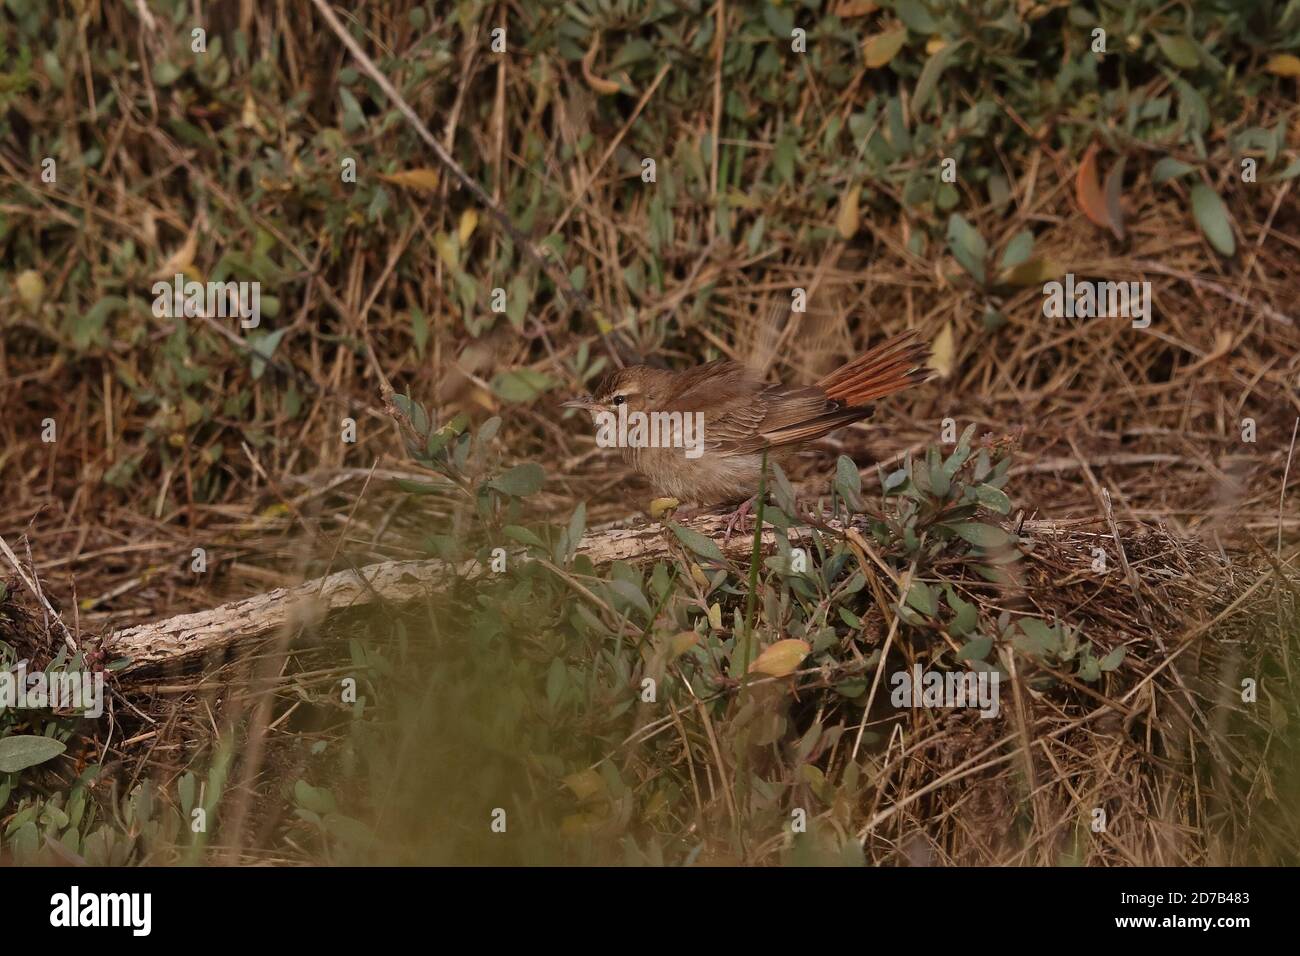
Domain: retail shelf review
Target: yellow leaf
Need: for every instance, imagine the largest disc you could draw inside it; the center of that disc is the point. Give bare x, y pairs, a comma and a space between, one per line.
1283, 64
585, 783
698, 576
846, 223
1222, 346
812, 774
31, 288
580, 824
715, 616
941, 352
934, 45
683, 642
248, 116
447, 250
1031, 272
738, 199
1222, 343
421, 180
182, 258
660, 506
656, 805
781, 658
599, 84
468, 222
883, 47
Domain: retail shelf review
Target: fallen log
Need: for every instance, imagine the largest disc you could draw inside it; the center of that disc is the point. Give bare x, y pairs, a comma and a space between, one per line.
186, 637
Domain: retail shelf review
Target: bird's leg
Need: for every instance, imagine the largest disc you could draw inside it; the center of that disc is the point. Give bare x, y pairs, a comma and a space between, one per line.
738, 516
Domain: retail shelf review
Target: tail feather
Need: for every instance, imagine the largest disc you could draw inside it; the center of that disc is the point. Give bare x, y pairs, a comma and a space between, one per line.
891, 366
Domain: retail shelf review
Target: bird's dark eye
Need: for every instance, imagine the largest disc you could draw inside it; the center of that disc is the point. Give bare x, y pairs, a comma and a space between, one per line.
619, 399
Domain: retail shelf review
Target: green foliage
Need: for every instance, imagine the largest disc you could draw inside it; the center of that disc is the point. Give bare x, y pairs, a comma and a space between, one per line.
540, 670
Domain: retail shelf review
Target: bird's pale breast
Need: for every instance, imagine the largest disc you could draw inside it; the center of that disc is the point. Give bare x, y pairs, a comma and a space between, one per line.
711, 479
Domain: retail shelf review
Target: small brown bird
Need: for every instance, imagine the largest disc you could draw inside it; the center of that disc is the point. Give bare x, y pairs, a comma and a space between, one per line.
712, 453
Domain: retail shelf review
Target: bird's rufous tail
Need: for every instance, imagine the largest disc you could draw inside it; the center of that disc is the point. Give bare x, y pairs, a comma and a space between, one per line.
890, 367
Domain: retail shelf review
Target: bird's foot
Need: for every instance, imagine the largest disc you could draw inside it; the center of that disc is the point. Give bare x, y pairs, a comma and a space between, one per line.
738, 517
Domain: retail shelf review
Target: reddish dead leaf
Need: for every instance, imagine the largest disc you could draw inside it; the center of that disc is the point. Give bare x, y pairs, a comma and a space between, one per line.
855, 8
1114, 187
1088, 190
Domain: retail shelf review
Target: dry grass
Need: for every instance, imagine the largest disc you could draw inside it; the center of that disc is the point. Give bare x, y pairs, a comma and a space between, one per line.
151, 463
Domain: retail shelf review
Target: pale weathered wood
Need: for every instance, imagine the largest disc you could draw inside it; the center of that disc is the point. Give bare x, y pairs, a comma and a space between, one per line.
188, 636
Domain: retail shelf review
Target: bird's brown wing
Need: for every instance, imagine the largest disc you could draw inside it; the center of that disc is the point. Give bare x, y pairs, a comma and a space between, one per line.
743, 415
733, 400
847, 392
803, 414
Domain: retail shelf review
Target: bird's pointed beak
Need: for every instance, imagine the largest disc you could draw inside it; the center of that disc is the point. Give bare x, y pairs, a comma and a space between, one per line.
582, 401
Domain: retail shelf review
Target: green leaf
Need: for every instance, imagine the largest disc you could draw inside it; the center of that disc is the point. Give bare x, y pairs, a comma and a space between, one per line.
349, 830
940, 480
930, 74
779, 19
846, 473
848, 482
1170, 168
702, 545
992, 498
27, 750
966, 618
915, 16
419, 330
185, 789
1088, 668
517, 303
852, 688
1193, 111
967, 246
921, 597
631, 595
1018, 250
1292, 170
557, 676
961, 453
423, 487
520, 481
165, 73
976, 649
521, 534
487, 431
315, 799
981, 535
262, 347
782, 490
1212, 216
1113, 659
577, 525
1037, 637
353, 118
1178, 50
783, 158
521, 385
